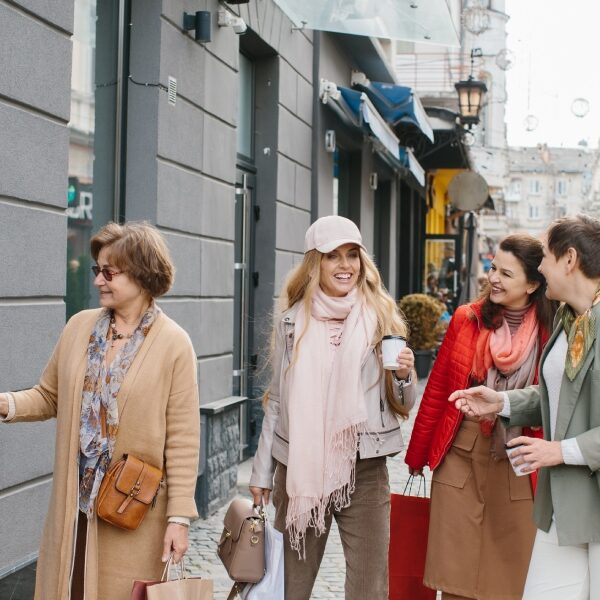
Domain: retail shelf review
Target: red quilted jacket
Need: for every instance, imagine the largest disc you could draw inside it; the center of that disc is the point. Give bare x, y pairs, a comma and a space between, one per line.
438, 420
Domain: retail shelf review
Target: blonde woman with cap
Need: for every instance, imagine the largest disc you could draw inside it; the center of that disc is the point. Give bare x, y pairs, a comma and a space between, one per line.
331, 413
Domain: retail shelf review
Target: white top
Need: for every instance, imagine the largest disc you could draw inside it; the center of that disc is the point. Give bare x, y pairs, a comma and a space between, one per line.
553, 371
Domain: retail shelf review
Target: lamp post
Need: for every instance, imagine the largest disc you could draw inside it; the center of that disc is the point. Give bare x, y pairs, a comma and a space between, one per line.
470, 95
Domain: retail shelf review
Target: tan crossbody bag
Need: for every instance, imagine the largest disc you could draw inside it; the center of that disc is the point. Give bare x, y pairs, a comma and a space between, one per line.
127, 491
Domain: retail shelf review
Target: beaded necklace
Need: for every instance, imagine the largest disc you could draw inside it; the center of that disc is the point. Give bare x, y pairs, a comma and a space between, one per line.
115, 335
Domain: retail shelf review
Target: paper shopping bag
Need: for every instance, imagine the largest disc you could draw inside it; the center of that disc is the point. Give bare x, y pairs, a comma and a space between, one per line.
409, 525
180, 588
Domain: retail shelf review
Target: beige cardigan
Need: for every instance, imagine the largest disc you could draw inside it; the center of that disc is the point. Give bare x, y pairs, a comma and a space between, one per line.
158, 422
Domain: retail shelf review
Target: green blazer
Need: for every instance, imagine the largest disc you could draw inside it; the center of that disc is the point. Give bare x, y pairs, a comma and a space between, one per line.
570, 492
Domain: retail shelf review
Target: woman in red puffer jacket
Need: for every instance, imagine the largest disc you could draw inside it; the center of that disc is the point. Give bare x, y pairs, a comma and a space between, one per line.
481, 530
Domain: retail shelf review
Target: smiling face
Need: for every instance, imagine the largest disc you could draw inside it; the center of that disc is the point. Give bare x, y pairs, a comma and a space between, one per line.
508, 281
340, 269
119, 293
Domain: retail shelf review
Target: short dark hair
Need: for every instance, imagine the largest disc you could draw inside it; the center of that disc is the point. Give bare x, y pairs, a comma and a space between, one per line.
141, 251
581, 232
529, 252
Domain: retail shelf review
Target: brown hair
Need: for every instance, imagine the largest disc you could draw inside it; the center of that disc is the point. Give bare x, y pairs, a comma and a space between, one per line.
141, 251
581, 232
529, 252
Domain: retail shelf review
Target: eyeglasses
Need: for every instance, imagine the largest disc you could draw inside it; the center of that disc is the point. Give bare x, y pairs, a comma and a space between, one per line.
106, 273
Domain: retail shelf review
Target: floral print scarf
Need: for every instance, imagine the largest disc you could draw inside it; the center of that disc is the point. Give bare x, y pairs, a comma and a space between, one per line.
99, 411
581, 333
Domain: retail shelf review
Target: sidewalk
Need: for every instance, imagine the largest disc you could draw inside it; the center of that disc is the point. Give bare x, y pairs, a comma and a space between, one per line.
205, 534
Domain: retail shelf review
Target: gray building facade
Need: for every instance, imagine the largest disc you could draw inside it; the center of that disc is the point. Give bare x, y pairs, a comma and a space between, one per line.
111, 110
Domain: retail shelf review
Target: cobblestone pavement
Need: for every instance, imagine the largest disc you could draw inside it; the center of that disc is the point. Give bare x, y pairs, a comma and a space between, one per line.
204, 535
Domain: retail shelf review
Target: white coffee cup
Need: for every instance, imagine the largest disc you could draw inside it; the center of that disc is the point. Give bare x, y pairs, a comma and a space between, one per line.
390, 348
518, 469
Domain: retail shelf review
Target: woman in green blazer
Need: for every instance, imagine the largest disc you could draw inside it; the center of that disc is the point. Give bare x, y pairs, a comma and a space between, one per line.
565, 563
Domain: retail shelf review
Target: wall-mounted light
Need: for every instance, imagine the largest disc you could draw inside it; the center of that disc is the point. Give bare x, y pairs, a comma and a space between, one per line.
330, 140
200, 23
470, 95
227, 19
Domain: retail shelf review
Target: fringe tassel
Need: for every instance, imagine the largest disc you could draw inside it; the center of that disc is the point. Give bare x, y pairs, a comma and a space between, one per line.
306, 512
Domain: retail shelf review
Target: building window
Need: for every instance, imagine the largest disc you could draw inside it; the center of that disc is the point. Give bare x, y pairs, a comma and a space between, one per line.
245, 137
92, 140
535, 186
562, 187
513, 192
534, 211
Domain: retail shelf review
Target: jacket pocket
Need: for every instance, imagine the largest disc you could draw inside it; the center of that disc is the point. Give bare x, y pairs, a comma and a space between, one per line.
519, 487
457, 464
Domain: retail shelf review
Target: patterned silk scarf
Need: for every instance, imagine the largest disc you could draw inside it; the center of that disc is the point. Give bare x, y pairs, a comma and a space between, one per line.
581, 333
99, 411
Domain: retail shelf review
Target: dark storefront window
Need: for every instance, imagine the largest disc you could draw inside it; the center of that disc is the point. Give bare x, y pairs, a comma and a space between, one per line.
93, 138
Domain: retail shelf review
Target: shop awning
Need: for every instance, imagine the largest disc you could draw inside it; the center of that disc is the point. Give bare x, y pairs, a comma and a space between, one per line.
407, 158
427, 21
356, 110
397, 104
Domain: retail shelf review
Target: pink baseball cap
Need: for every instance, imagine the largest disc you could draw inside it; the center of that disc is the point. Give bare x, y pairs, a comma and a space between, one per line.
328, 233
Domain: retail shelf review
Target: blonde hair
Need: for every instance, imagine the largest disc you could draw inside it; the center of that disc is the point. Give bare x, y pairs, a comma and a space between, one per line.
303, 281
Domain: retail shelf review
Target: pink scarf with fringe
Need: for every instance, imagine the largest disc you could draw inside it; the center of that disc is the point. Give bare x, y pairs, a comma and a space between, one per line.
327, 411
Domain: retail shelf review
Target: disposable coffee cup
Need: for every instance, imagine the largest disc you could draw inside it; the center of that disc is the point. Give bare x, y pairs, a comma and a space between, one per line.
390, 347
519, 470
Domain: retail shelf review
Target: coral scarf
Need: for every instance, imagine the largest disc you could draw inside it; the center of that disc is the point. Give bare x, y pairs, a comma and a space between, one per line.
503, 362
327, 411
496, 347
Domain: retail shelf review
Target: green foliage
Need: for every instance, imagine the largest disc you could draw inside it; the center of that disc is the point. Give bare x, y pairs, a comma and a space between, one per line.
423, 314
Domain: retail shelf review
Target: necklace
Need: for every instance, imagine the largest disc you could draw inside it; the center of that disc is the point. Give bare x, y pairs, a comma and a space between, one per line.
115, 335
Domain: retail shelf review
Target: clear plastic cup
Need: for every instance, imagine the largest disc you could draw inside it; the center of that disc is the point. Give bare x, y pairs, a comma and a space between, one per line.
519, 469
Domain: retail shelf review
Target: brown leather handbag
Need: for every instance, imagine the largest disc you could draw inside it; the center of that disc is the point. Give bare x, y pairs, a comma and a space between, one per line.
242, 544
128, 489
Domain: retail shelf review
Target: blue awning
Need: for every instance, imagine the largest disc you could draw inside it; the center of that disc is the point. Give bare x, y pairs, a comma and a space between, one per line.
356, 110
397, 104
407, 158
369, 118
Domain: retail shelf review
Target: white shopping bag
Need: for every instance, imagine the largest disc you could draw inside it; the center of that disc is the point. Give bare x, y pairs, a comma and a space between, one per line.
270, 587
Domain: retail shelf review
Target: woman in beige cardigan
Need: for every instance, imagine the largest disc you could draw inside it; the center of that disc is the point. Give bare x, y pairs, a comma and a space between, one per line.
121, 380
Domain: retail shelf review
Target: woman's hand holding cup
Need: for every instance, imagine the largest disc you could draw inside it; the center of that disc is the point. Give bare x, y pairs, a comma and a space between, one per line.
397, 356
406, 362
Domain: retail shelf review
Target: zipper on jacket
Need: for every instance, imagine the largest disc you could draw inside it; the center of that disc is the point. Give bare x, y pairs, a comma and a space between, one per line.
381, 409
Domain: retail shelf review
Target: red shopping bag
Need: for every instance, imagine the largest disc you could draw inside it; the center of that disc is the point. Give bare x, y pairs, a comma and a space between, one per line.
409, 524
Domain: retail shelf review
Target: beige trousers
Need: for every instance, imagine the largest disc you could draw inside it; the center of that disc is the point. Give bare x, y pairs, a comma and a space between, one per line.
364, 528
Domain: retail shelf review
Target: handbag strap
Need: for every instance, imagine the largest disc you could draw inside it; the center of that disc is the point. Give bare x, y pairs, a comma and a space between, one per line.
409, 484
234, 591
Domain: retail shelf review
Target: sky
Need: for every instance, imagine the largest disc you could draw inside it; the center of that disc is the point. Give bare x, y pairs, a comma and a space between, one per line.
556, 47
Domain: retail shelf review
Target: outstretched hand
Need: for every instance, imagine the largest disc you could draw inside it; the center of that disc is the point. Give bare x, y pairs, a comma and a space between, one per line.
477, 401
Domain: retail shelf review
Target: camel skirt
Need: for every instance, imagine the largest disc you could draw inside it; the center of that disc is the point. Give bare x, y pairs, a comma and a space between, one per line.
481, 529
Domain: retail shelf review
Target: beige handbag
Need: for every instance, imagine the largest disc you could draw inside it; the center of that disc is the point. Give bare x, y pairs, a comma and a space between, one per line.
242, 544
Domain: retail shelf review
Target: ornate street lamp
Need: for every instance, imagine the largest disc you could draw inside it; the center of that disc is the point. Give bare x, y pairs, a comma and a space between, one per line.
470, 95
